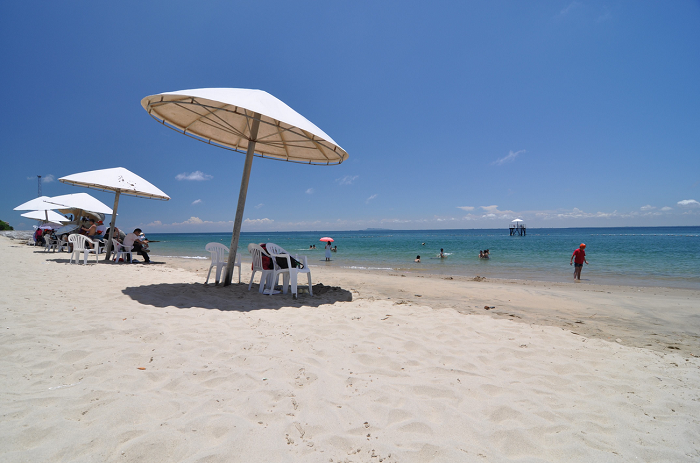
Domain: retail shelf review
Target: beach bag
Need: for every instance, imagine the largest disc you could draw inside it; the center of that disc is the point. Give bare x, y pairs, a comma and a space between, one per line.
282, 262
266, 261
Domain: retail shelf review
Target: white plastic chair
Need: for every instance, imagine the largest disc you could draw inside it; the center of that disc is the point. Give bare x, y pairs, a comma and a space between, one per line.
63, 245
257, 252
50, 244
121, 251
294, 273
80, 243
220, 261
275, 252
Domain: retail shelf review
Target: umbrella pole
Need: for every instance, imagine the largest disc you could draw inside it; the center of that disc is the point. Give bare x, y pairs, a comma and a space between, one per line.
108, 251
241, 199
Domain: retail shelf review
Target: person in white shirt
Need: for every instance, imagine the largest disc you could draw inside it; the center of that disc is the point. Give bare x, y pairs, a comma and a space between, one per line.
132, 239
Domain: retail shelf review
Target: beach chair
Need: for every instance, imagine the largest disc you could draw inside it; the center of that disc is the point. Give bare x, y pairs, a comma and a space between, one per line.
294, 273
257, 252
218, 259
275, 252
80, 244
50, 244
121, 251
63, 245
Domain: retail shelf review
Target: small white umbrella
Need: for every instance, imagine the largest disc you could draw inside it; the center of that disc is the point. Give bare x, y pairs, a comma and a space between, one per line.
119, 180
81, 201
37, 204
45, 215
243, 120
517, 220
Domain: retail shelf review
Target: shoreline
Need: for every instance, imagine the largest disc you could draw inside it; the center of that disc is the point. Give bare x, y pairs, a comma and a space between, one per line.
136, 363
644, 324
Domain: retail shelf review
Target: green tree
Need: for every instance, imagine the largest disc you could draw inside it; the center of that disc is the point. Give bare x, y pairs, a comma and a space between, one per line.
5, 226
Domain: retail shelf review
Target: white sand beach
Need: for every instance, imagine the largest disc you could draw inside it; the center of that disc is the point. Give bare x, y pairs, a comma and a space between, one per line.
136, 363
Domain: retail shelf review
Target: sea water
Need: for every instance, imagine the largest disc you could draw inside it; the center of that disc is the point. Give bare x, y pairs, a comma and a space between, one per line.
657, 256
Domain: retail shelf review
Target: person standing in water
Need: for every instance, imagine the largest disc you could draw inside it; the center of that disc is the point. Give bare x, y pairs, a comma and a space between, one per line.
328, 250
442, 254
578, 258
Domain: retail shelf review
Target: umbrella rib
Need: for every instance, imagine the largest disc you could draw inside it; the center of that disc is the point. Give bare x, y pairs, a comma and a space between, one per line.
220, 124
318, 146
284, 143
212, 119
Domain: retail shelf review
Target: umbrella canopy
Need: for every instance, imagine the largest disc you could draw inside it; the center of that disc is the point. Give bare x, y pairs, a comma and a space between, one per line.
326, 239
517, 220
243, 120
224, 116
77, 213
116, 179
119, 180
36, 204
45, 215
82, 201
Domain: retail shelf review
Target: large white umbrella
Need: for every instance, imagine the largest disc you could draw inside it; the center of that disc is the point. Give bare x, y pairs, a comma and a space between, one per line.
46, 215
243, 120
119, 180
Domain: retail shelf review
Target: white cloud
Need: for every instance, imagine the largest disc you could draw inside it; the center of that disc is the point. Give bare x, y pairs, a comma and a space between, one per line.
510, 158
494, 210
648, 207
310, 191
466, 208
264, 221
196, 201
570, 7
44, 178
347, 180
192, 221
197, 175
666, 208
688, 203
576, 213
259, 206
155, 223
370, 198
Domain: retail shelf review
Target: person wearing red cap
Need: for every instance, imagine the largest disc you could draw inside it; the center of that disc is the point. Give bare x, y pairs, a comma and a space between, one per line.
577, 259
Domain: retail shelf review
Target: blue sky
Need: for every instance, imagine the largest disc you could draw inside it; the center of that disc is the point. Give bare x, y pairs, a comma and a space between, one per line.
454, 114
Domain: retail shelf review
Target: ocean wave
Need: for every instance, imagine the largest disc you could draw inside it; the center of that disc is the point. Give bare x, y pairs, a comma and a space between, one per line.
184, 257
357, 267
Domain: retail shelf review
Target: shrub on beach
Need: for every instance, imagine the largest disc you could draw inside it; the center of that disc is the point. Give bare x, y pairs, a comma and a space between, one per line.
5, 226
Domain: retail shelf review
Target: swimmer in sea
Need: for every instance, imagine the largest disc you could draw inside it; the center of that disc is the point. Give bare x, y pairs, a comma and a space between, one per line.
442, 254
417, 259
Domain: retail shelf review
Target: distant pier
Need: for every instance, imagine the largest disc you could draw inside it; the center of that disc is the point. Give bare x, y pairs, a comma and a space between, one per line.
517, 227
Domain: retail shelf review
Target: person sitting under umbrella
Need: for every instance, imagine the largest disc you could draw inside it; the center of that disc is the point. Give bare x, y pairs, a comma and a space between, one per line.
91, 231
132, 239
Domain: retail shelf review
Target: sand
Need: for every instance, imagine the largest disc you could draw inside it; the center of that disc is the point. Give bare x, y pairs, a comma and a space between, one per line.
136, 363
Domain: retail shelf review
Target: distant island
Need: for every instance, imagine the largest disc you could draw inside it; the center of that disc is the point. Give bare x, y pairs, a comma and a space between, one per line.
378, 229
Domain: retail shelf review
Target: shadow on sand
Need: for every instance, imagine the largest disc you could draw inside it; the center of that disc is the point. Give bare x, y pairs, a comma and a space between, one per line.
234, 297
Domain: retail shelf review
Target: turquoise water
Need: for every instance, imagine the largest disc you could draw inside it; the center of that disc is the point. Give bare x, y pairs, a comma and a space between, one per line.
658, 256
